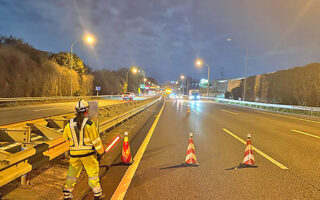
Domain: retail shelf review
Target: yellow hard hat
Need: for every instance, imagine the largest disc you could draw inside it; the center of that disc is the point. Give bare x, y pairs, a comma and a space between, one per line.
82, 106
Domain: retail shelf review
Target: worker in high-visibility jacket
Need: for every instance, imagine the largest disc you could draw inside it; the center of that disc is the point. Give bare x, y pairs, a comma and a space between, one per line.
86, 150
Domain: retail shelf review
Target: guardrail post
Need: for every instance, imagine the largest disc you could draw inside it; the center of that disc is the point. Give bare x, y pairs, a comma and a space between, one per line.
25, 180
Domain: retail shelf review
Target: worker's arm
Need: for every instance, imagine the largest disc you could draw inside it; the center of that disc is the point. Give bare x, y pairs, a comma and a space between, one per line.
65, 132
96, 140
66, 137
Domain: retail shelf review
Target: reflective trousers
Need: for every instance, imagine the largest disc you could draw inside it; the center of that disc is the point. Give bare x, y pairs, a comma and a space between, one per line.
91, 166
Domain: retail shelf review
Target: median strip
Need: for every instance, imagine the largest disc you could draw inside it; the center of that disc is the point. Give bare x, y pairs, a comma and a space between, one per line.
304, 133
257, 150
128, 176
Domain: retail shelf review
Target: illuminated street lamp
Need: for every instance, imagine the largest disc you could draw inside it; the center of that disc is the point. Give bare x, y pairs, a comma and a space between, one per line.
199, 63
182, 78
88, 39
134, 70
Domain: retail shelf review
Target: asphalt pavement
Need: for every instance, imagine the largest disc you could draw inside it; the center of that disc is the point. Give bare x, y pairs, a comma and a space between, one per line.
287, 155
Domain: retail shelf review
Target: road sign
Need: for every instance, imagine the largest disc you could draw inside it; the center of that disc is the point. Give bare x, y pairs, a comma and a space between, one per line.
98, 88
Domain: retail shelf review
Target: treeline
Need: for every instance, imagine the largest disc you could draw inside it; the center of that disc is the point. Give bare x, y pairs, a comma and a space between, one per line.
296, 86
28, 72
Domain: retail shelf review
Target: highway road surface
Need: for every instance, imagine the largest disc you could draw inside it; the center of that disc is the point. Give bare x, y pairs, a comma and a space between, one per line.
287, 155
29, 112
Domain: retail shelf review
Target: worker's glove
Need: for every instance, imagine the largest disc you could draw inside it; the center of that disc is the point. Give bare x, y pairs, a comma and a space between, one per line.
67, 155
99, 156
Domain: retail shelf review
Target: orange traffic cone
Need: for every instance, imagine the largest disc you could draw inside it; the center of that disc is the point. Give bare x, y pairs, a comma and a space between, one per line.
248, 160
188, 110
191, 159
126, 154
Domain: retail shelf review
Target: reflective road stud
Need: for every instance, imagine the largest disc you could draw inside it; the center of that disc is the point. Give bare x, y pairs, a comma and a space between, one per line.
191, 159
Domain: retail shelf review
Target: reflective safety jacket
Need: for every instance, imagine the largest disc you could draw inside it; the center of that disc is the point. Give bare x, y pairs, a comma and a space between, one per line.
83, 142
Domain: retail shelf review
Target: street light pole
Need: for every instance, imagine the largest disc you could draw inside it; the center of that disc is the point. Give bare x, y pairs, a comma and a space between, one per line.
245, 76
88, 39
245, 72
199, 62
182, 78
127, 80
71, 63
134, 70
208, 88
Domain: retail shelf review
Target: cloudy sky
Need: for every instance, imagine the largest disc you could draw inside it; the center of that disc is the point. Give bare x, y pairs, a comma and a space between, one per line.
165, 36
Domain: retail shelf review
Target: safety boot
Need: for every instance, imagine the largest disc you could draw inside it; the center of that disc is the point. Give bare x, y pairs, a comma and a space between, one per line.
102, 196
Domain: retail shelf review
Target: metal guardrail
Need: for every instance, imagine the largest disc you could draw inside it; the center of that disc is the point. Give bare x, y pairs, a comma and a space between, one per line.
15, 165
278, 107
19, 99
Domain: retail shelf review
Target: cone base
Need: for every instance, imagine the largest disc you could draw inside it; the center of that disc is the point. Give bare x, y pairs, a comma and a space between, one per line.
126, 163
248, 166
191, 164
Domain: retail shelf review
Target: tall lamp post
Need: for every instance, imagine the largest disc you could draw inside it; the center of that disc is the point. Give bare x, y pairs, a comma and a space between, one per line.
134, 70
89, 39
200, 63
245, 71
182, 78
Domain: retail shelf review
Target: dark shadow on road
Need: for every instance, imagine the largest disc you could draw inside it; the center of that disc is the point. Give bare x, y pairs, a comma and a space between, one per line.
178, 166
119, 164
242, 166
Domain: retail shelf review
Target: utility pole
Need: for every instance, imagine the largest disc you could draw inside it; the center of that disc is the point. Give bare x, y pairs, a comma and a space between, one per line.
245, 76
208, 81
187, 85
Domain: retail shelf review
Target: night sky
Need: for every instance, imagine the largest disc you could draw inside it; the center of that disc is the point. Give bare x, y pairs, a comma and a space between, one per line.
165, 36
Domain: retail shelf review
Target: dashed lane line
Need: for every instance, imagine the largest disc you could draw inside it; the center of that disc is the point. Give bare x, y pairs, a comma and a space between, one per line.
257, 150
229, 112
304, 133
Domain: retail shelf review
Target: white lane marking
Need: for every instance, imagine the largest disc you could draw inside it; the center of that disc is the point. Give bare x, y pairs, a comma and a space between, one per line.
196, 111
229, 112
256, 150
269, 113
304, 133
286, 116
50, 108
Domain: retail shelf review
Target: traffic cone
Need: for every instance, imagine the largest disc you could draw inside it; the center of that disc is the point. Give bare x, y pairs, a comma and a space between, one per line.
188, 110
126, 154
248, 160
191, 159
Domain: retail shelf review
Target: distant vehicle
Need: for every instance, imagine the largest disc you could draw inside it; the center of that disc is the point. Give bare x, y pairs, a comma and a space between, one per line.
173, 96
194, 94
128, 96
